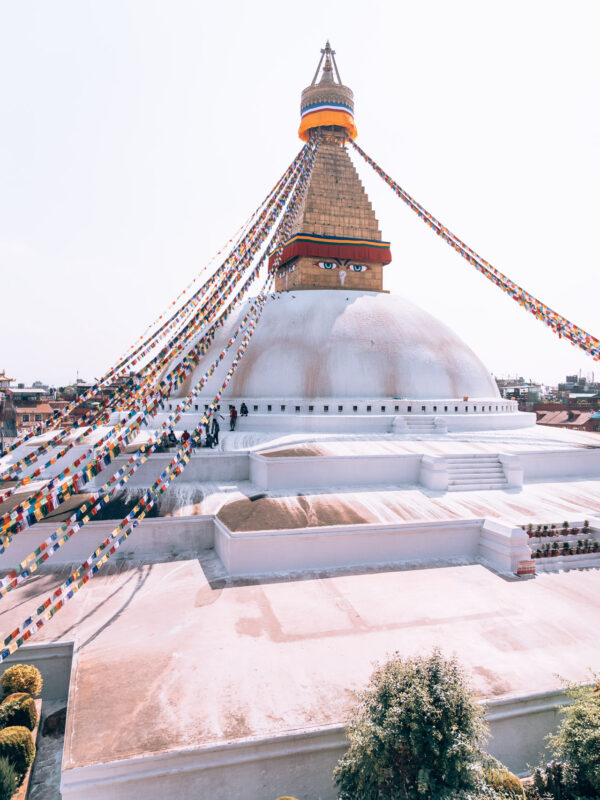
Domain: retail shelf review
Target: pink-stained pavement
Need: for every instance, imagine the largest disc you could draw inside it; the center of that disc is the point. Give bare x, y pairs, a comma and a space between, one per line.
170, 655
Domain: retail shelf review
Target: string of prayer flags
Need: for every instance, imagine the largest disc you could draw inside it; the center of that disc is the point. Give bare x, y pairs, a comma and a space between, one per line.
177, 465
559, 324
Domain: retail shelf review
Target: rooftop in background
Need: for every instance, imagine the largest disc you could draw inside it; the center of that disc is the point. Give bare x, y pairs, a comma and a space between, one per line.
40, 408
29, 390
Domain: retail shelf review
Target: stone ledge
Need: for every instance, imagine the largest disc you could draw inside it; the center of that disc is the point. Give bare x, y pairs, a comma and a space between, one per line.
297, 761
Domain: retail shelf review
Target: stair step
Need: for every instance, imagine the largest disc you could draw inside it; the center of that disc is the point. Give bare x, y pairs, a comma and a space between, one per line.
482, 473
474, 471
475, 479
473, 464
456, 459
473, 460
475, 486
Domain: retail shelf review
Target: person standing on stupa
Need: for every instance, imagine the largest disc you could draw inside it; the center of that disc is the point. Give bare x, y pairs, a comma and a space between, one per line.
232, 417
215, 430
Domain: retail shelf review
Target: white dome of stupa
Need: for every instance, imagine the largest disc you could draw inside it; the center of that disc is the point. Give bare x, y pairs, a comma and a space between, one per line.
346, 344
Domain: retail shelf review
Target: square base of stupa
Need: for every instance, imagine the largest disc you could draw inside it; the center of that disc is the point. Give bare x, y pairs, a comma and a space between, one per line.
192, 681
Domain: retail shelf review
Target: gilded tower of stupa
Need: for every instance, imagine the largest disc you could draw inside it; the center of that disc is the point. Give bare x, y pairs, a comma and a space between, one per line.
335, 241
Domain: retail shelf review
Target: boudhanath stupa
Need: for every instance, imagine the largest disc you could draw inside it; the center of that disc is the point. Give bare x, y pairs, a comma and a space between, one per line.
379, 495
331, 341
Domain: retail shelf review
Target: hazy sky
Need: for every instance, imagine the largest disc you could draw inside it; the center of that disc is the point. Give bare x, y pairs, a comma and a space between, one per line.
135, 138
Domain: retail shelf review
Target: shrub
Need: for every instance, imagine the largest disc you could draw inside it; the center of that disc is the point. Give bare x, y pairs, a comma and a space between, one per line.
577, 740
22, 678
503, 781
415, 735
555, 781
8, 779
16, 744
18, 709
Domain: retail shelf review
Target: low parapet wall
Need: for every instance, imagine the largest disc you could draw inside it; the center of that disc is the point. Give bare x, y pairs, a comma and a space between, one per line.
578, 461
261, 553
323, 471
204, 465
53, 660
498, 544
155, 537
299, 763
384, 422
295, 407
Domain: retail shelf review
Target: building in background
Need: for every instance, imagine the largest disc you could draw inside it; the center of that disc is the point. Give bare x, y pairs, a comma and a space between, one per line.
8, 426
526, 393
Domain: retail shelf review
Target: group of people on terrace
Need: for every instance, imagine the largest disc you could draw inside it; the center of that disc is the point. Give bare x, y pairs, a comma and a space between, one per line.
210, 431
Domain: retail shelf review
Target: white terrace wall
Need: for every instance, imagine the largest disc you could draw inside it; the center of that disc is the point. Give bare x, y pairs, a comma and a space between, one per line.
204, 466
372, 422
53, 660
295, 550
299, 763
154, 537
62, 463
341, 406
560, 464
497, 544
323, 471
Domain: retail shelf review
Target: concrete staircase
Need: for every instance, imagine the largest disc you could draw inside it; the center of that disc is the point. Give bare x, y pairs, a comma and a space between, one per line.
475, 471
422, 425
419, 425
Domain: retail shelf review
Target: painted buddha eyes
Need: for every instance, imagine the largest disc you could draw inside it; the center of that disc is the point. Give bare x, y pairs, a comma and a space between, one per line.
351, 267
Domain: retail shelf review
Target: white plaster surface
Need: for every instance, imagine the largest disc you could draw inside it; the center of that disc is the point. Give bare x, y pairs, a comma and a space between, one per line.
350, 344
177, 657
297, 761
173, 656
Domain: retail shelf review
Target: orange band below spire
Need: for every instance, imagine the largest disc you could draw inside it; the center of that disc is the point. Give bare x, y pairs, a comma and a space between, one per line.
327, 117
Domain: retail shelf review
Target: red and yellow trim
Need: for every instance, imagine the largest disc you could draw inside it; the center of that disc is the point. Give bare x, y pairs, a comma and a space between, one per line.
358, 250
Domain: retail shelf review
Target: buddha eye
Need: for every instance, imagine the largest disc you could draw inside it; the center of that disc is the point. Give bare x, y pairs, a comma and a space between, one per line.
327, 265
359, 267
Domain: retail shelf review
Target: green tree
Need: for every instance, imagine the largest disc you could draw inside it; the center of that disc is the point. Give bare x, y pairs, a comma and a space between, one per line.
8, 779
577, 741
554, 781
416, 734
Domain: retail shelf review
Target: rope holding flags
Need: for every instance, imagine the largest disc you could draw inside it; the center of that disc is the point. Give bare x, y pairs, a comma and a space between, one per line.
141, 350
35, 507
102, 496
110, 545
559, 324
285, 206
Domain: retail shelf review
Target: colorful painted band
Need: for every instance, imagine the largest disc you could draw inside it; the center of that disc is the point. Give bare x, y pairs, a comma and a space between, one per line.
317, 119
334, 247
326, 107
